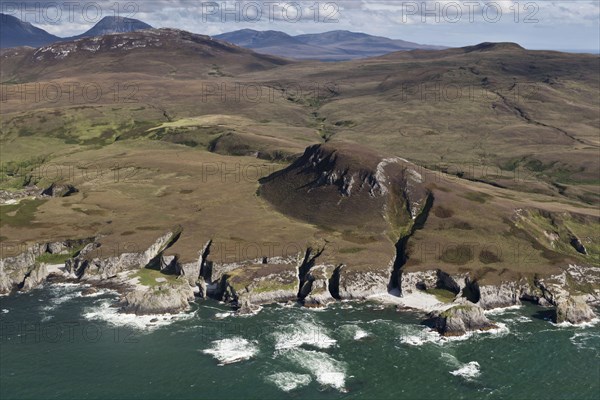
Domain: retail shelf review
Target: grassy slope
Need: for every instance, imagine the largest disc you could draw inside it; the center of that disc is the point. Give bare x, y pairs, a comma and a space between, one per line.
171, 178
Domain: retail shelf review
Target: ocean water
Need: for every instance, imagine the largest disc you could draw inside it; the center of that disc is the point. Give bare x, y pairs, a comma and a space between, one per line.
56, 344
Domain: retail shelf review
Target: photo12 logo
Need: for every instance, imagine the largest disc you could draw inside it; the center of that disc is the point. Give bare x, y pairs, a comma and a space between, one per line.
70, 92
453, 12
58, 12
270, 11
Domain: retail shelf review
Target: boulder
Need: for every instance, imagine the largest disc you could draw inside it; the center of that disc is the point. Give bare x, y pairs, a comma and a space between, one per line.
459, 319
164, 299
574, 310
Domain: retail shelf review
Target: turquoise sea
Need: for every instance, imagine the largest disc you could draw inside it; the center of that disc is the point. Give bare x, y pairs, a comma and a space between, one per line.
56, 344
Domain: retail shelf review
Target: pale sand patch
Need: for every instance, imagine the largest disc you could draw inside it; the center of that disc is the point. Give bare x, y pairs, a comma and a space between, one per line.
56, 269
417, 300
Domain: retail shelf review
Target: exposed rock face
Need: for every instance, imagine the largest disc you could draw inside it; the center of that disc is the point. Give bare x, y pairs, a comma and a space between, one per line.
574, 310
358, 187
359, 285
36, 277
24, 271
315, 291
261, 284
58, 248
15, 269
504, 295
105, 268
445, 281
59, 190
422, 280
460, 319
164, 299
168, 264
246, 307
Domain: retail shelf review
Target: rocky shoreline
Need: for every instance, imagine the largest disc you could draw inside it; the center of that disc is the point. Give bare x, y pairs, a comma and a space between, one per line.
249, 285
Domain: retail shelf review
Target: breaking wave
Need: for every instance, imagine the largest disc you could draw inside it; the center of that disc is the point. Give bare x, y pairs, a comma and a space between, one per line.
232, 350
288, 381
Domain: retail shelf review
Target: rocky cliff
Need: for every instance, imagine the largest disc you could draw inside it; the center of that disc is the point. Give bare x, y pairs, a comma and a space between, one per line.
460, 319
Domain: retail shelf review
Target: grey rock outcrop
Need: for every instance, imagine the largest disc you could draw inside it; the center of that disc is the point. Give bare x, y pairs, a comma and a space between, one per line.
495, 296
445, 281
36, 277
164, 299
422, 280
59, 190
14, 269
574, 310
459, 319
315, 291
360, 285
105, 268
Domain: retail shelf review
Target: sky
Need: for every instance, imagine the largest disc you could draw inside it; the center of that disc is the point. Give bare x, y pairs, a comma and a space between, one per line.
541, 24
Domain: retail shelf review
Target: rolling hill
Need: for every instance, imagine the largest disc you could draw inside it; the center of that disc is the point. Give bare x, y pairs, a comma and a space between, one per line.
327, 46
379, 163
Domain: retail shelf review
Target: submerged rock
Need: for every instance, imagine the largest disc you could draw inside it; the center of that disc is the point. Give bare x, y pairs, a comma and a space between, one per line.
460, 319
246, 307
574, 310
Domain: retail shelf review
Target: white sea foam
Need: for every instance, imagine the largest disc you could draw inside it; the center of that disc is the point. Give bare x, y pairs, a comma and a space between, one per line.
5, 311
414, 336
101, 292
469, 371
352, 331
519, 319
502, 310
360, 334
418, 337
104, 311
582, 325
223, 315
325, 369
232, 350
288, 381
582, 340
60, 294
302, 332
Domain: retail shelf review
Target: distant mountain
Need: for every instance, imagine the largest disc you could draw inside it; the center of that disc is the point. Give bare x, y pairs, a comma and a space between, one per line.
108, 25
251, 38
14, 32
152, 52
327, 46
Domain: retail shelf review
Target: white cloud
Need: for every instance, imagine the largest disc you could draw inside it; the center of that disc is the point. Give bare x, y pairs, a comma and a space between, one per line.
565, 24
